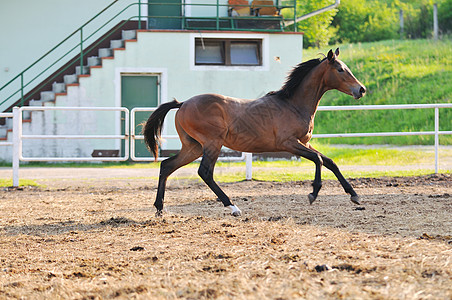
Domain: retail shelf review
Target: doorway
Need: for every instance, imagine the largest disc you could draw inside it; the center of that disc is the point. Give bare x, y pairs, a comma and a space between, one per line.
139, 90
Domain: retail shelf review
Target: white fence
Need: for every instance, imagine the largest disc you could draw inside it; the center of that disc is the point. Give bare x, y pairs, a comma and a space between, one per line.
124, 136
129, 133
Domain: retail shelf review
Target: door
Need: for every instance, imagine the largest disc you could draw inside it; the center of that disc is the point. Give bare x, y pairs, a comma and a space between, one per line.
139, 90
167, 16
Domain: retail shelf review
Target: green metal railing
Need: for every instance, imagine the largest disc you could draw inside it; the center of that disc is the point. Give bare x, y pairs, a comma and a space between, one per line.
290, 4
86, 38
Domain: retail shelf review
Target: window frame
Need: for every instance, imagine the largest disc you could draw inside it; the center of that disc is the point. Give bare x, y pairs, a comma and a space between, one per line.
226, 50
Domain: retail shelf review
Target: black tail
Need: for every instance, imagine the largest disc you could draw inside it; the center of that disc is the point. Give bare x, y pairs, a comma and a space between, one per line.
152, 129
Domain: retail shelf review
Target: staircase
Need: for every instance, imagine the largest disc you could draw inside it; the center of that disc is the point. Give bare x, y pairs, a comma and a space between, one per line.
60, 88
50, 97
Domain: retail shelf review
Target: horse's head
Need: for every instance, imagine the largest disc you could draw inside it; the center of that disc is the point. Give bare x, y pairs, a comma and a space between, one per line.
338, 76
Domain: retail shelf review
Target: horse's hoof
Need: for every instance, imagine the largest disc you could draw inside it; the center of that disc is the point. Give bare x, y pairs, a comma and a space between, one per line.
355, 199
159, 214
311, 198
235, 211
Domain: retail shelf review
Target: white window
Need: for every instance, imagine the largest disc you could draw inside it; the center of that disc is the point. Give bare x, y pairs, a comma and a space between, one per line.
209, 53
228, 52
245, 53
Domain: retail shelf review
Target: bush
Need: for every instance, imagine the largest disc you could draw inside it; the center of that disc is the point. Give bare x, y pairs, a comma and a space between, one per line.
418, 20
445, 17
364, 21
367, 21
317, 30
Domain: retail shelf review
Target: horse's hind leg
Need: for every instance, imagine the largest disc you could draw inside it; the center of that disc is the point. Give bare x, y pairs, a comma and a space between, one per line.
205, 171
190, 151
304, 151
331, 165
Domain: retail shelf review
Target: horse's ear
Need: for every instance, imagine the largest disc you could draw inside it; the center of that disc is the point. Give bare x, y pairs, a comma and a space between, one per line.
337, 52
331, 57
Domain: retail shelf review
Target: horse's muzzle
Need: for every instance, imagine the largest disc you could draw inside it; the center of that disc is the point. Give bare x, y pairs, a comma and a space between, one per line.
359, 92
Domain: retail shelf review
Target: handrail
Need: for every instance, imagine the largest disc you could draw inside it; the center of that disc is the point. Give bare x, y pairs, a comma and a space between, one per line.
81, 46
64, 40
78, 31
86, 37
314, 13
51, 50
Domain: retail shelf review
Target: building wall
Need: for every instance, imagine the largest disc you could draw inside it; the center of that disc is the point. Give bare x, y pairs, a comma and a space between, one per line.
171, 56
31, 28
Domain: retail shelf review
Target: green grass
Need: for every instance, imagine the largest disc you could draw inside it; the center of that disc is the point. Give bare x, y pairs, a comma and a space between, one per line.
394, 72
356, 156
293, 170
292, 175
22, 182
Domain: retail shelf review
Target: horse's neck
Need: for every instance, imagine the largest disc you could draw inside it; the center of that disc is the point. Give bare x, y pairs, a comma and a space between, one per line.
310, 91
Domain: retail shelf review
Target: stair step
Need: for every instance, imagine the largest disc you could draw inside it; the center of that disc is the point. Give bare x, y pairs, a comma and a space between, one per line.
129, 34
3, 131
94, 61
58, 87
114, 44
105, 52
69, 79
9, 123
85, 70
26, 115
35, 103
47, 96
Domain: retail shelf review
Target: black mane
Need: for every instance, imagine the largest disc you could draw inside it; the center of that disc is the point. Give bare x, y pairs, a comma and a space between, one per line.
295, 78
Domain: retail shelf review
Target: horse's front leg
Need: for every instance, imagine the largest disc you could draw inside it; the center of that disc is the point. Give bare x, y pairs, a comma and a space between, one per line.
331, 165
304, 151
205, 171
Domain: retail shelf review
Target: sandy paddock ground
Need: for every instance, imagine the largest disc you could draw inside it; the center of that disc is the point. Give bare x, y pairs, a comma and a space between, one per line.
98, 238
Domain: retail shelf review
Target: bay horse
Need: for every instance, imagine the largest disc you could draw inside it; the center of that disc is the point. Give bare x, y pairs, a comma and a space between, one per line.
282, 120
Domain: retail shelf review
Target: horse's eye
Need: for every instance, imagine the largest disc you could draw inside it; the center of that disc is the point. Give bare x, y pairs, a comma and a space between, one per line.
340, 70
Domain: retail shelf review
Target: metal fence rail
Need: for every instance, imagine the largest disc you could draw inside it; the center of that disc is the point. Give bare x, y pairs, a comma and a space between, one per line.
129, 126
124, 136
436, 131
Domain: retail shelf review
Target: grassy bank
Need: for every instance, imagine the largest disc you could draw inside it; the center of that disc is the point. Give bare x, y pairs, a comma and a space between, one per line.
394, 72
393, 162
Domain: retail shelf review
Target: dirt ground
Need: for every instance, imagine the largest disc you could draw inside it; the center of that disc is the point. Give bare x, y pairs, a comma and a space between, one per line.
98, 238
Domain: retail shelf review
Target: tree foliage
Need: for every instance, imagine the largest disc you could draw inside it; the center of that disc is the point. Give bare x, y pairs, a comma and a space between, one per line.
317, 30
365, 21
373, 20
445, 16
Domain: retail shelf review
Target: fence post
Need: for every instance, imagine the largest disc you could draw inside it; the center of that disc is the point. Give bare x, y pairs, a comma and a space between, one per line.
401, 23
436, 139
435, 22
249, 166
16, 145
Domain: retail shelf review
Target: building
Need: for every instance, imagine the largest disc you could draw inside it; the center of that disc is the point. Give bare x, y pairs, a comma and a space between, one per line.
134, 54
